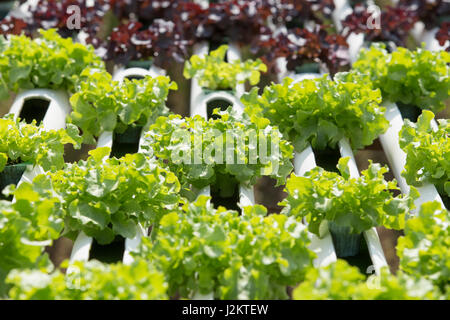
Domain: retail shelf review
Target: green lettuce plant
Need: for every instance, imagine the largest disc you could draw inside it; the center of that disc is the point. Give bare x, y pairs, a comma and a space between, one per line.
427, 152
253, 256
420, 77
196, 149
340, 281
424, 250
49, 62
215, 74
358, 203
101, 104
27, 226
22, 142
321, 111
92, 280
105, 197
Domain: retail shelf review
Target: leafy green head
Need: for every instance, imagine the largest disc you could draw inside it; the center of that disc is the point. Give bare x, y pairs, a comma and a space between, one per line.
205, 250
28, 225
91, 280
105, 197
424, 250
202, 151
340, 281
101, 104
215, 74
359, 203
49, 62
427, 152
321, 111
23, 142
420, 77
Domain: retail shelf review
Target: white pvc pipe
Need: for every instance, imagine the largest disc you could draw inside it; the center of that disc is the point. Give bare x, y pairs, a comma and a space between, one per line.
200, 49
389, 141
341, 10
199, 106
54, 118
431, 43
58, 109
246, 196
371, 236
132, 245
234, 54
323, 247
397, 157
81, 248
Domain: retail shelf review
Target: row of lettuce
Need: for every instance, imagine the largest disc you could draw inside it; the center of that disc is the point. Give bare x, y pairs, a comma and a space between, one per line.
193, 247
199, 249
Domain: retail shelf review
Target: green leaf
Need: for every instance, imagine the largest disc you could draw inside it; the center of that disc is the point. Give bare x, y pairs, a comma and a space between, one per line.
49, 62
427, 152
320, 112
360, 203
101, 104
420, 77
254, 256
214, 73
91, 280
23, 142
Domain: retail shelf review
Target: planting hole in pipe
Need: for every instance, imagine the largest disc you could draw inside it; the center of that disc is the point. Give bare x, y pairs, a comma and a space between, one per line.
135, 78
409, 111
214, 45
34, 109
225, 193
222, 104
11, 174
327, 158
108, 253
126, 142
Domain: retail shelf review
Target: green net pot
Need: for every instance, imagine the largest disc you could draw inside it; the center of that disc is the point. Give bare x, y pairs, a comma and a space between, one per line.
409, 111
346, 244
131, 135
312, 67
144, 64
11, 174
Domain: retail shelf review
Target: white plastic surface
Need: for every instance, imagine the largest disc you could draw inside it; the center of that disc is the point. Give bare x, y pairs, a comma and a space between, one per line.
132, 245
199, 296
246, 196
54, 119
397, 157
341, 10
233, 54
57, 111
431, 43
81, 248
